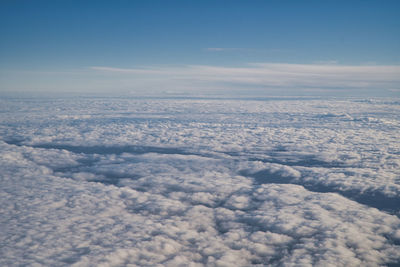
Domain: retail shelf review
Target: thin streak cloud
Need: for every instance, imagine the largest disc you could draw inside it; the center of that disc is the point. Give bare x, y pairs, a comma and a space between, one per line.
221, 49
272, 75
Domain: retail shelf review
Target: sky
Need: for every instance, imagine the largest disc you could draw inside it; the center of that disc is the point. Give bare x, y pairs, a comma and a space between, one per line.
201, 47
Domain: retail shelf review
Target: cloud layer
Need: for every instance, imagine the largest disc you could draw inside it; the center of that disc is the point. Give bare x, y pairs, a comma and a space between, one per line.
253, 79
268, 76
199, 182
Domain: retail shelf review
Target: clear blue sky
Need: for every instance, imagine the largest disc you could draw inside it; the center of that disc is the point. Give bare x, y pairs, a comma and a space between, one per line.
68, 36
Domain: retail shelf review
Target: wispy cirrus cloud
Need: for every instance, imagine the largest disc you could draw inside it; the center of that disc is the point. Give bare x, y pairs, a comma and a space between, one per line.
268, 75
124, 70
323, 78
221, 49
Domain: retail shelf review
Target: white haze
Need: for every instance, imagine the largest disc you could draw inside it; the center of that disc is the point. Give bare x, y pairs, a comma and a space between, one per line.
261, 79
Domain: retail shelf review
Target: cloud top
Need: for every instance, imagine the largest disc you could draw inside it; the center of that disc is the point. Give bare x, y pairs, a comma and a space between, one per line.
199, 182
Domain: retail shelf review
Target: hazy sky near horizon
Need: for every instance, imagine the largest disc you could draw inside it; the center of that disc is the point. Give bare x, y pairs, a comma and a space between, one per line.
201, 47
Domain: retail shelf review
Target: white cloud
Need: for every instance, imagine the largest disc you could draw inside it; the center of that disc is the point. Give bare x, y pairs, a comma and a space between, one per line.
215, 49
267, 75
111, 181
220, 49
132, 71
250, 79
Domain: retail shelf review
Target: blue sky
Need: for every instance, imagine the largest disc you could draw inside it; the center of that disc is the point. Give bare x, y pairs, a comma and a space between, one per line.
100, 45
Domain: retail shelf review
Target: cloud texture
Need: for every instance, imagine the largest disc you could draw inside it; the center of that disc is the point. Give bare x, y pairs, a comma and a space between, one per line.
268, 76
197, 182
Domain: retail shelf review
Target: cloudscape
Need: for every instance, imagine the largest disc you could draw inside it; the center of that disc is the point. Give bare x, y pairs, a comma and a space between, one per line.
199, 133
316, 79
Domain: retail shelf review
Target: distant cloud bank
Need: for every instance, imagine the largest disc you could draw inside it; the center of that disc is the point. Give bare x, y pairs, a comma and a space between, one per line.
324, 78
319, 76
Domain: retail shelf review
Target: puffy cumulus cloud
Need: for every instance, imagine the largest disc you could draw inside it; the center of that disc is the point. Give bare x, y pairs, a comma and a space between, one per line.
302, 77
335, 145
192, 182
